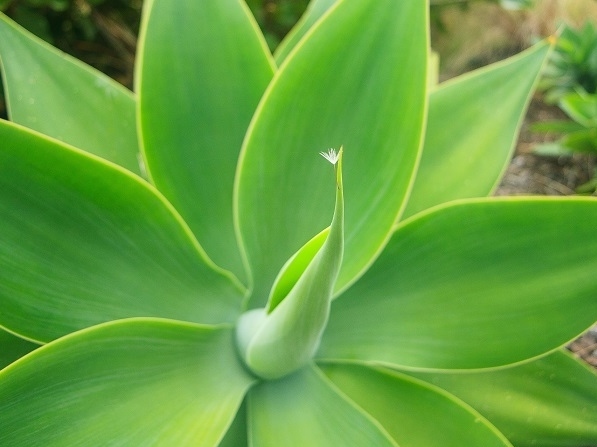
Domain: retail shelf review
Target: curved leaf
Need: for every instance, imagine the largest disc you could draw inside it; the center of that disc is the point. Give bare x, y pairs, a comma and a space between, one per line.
13, 348
289, 334
414, 413
315, 10
473, 284
195, 103
84, 242
473, 124
294, 268
551, 402
59, 96
357, 81
305, 409
132, 382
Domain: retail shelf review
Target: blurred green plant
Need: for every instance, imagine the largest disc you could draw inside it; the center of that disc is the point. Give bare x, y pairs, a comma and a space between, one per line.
570, 81
172, 250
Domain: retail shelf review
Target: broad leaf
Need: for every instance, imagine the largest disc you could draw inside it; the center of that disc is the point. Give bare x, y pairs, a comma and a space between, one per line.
59, 96
473, 284
195, 103
365, 91
414, 413
305, 409
132, 382
473, 124
13, 347
84, 242
315, 10
548, 402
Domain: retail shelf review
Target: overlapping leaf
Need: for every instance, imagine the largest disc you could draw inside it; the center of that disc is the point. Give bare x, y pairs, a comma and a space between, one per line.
365, 91
59, 96
133, 382
304, 409
474, 284
195, 103
472, 127
13, 348
84, 242
414, 413
549, 402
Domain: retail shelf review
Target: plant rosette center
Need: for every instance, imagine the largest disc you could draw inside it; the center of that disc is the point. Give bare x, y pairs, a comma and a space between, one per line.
283, 336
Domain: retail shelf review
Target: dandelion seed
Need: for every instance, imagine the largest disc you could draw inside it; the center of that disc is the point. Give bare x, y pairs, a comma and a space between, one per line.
331, 155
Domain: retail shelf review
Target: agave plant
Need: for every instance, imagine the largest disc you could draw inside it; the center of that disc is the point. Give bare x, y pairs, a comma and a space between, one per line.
198, 275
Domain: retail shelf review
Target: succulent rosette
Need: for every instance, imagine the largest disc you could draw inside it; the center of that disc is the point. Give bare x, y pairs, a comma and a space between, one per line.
179, 266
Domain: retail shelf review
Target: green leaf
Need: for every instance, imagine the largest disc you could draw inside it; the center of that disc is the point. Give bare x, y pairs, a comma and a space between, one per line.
286, 336
339, 88
315, 10
132, 382
294, 268
13, 347
236, 436
413, 412
473, 124
57, 95
547, 402
195, 103
84, 242
473, 284
557, 126
305, 409
581, 107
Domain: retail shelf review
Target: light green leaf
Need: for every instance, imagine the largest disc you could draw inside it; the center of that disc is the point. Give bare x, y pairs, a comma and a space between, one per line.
57, 95
133, 382
84, 242
13, 347
548, 402
473, 284
413, 412
305, 409
315, 10
339, 88
287, 335
195, 103
294, 268
472, 128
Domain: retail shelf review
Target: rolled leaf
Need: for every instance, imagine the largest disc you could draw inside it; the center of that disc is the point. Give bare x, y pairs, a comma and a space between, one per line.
132, 382
305, 409
294, 268
413, 412
472, 127
195, 104
84, 242
549, 402
473, 284
339, 88
288, 335
59, 96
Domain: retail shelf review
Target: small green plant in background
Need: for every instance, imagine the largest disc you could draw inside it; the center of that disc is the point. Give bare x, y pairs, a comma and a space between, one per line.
179, 266
570, 81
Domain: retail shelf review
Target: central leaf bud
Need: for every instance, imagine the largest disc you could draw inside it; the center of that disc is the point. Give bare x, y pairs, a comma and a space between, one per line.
282, 337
